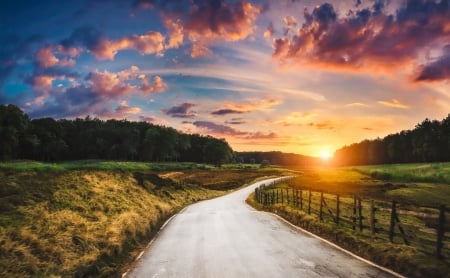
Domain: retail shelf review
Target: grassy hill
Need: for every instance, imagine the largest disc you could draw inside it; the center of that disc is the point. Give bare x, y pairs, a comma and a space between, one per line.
89, 219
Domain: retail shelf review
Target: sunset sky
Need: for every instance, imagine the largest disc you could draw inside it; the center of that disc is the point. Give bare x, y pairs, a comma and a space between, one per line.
296, 76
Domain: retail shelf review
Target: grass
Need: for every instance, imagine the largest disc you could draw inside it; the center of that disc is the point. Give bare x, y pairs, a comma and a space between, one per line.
89, 218
412, 185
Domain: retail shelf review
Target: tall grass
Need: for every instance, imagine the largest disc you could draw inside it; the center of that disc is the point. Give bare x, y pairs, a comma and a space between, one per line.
62, 222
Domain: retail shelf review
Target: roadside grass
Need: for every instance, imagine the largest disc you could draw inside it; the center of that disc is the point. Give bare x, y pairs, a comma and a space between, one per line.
403, 259
78, 219
407, 184
416, 172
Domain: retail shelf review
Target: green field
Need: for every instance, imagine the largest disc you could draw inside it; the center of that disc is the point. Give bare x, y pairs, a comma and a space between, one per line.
89, 218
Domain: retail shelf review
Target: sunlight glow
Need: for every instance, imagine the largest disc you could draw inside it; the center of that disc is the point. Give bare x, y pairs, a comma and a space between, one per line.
325, 155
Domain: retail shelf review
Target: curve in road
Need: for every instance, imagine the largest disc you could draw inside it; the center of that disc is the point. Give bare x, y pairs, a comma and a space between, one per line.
224, 237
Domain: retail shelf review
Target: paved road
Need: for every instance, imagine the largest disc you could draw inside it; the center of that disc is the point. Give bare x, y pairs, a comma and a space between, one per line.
224, 237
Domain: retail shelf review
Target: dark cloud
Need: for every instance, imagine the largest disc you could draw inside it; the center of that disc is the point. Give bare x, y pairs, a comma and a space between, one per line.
368, 37
322, 125
180, 111
85, 36
236, 121
218, 129
437, 70
221, 112
12, 49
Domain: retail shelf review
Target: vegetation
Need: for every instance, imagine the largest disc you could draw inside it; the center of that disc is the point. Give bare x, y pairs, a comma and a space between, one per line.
276, 158
405, 186
429, 141
73, 219
47, 139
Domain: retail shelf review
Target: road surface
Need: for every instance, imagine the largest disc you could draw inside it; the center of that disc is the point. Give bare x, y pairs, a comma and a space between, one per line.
224, 237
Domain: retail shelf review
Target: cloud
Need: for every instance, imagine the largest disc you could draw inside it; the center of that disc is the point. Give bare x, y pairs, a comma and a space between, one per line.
296, 118
45, 57
149, 43
217, 128
206, 22
199, 50
290, 21
235, 121
123, 110
180, 111
436, 70
221, 112
323, 125
368, 38
223, 130
270, 31
121, 83
357, 104
394, 104
158, 85
251, 105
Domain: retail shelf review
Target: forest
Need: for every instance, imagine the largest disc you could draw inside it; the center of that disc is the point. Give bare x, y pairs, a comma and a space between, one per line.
47, 139
429, 141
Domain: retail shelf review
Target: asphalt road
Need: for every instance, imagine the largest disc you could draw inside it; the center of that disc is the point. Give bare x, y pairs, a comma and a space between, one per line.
224, 237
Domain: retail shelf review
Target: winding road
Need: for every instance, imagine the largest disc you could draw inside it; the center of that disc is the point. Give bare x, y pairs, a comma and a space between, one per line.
224, 237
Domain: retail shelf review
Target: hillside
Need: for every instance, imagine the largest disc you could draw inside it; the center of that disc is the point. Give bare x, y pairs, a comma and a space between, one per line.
90, 222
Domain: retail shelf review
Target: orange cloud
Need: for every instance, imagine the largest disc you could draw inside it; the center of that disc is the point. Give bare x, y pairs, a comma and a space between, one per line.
121, 83
45, 57
394, 103
199, 50
149, 43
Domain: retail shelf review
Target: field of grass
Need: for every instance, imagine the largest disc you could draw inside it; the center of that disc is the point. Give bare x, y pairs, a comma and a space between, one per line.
89, 218
414, 186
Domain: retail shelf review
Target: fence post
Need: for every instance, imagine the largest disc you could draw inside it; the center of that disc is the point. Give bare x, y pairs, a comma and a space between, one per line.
277, 194
309, 202
372, 217
392, 226
282, 196
338, 200
321, 206
354, 213
360, 215
287, 195
440, 231
301, 199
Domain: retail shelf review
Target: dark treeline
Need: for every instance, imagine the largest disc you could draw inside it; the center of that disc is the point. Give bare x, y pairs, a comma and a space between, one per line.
429, 141
47, 139
275, 158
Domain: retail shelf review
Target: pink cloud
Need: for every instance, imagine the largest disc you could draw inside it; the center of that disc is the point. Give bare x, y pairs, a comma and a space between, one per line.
124, 82
367, 38
394, 104
46, 56
149, 43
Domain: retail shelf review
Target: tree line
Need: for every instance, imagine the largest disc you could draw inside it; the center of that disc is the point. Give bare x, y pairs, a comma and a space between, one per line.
429, 141
47, 139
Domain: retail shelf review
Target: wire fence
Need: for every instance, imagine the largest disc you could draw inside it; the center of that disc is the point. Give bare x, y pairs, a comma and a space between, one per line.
425, 228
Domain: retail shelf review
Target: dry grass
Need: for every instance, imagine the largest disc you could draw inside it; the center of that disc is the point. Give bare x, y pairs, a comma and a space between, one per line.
91, 222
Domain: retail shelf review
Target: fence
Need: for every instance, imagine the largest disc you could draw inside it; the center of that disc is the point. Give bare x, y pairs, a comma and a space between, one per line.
425, 228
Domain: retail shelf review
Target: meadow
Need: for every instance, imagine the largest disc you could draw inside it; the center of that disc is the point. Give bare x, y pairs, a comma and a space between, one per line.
91, 218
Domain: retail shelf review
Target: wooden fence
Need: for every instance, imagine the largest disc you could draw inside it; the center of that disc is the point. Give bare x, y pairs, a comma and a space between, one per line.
425, 228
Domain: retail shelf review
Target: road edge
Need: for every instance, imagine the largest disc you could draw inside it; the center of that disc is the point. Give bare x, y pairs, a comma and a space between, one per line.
387, 270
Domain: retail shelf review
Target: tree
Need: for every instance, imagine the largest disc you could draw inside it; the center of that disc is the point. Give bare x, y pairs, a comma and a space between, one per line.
217, 152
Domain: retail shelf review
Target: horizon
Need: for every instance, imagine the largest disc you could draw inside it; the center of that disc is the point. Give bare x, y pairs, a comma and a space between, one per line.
304, 77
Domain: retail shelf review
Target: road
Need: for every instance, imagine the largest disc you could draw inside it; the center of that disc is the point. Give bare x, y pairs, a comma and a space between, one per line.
224, 237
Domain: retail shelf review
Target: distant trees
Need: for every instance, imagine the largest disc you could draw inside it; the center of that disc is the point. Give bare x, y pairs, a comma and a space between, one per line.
429, 141
47, 139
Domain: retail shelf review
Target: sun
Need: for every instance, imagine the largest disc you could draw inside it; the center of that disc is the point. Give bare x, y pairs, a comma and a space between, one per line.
325, 155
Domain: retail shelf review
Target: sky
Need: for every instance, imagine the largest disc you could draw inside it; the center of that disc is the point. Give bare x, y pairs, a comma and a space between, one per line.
301, 76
